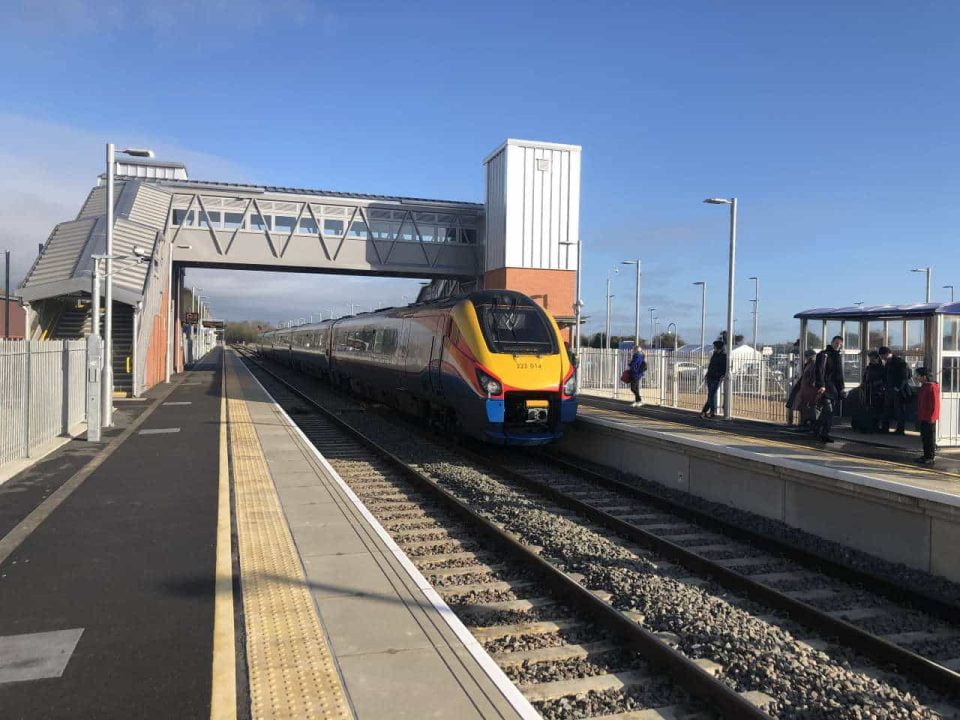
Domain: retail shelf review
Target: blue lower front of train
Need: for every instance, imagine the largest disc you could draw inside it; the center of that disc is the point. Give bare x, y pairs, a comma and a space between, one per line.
486, 420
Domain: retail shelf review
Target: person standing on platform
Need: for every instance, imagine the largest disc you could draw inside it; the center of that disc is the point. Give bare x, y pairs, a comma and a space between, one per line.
830, 385
638, 367
803, 397
928, 412
896, 390
716, 371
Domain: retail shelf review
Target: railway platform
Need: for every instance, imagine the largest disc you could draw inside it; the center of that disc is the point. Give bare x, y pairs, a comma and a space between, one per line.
205, 561
868, 498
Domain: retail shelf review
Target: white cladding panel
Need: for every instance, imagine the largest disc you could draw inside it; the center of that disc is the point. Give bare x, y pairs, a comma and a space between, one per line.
533, 206
496, 211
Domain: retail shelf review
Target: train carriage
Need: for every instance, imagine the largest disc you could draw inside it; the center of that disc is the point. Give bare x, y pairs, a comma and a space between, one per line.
492, 363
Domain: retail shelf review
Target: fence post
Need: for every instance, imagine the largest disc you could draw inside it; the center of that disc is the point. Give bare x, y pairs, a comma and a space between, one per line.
65, 392
28, 395
93, 378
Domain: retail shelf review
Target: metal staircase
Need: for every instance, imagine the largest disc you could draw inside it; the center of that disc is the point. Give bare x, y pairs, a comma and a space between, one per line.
122, 350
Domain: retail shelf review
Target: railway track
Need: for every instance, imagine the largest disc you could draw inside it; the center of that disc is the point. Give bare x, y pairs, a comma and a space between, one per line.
597, 596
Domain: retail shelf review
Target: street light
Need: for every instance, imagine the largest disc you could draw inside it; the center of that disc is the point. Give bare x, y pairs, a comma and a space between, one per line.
636, 327
951, 291
731, 273
606, 343
928, 273
676, 332
703, 314
107, 389
756, 307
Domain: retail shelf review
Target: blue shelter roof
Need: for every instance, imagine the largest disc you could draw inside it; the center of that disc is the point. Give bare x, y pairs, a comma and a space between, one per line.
880, 311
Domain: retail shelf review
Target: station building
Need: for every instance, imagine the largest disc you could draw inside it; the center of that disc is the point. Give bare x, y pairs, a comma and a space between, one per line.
524, 236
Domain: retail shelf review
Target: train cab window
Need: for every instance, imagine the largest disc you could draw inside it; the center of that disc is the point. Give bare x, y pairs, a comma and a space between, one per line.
515, 329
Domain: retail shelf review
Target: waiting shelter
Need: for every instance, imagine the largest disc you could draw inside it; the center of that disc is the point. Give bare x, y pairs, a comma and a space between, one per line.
922, 334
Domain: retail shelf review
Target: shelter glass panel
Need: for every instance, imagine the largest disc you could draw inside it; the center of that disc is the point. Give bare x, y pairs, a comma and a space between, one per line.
951, 329
875, 334
950, 375
913, 346
833, 329
895, 336
851, 334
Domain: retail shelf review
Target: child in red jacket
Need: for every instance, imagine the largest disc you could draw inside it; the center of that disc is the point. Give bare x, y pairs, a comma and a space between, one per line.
928, 412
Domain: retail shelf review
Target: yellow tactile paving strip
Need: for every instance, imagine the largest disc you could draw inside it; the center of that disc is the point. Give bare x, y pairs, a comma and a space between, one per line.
291, 671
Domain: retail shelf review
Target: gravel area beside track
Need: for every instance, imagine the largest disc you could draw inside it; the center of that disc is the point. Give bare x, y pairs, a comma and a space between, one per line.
753, 652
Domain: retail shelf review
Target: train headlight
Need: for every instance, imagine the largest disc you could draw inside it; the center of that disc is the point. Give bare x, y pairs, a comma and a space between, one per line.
570, 386
489, 384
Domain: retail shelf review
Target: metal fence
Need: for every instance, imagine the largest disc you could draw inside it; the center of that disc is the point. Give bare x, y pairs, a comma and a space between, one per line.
42, 393
761, 383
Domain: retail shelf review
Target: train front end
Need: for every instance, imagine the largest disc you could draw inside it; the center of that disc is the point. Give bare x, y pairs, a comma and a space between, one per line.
522, 382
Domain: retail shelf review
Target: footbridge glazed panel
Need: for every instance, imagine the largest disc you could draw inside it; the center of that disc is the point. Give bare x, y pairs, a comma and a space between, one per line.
239, 226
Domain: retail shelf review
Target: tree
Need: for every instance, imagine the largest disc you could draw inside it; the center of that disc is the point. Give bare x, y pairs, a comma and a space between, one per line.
737, 339
666, 340
244, 331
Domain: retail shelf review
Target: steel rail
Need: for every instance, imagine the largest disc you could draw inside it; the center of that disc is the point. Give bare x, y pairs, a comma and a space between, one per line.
697, 680
942, 608
927, 671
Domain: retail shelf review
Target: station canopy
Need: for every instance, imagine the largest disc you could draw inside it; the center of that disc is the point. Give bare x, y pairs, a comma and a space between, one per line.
880, 312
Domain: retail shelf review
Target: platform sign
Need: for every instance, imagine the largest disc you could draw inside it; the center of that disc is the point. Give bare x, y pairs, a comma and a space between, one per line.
191, 318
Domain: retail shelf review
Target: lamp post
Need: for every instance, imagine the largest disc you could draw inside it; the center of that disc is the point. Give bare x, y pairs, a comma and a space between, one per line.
605, 352
756, 307
951, 291
731, 275
927, 271
676, 332
636, 327
703, 314
107, 388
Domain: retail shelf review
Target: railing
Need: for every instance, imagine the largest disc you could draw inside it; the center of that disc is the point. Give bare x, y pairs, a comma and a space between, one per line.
42, 393
761, 383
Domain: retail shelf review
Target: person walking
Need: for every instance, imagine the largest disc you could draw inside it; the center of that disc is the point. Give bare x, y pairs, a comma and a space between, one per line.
830, 385
896, 390
638, 366
716, 371
866, 416
928, 412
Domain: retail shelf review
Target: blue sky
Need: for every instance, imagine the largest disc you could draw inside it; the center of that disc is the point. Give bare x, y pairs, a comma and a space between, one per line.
836, 124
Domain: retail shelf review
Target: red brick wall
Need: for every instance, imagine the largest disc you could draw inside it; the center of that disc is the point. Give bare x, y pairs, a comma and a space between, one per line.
18, 319
554, 290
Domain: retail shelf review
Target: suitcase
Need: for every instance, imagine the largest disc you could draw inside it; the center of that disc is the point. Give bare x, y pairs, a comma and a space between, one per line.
865, 419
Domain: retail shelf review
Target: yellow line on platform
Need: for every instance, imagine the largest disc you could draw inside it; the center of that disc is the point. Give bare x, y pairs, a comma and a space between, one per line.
223, 687
291, 670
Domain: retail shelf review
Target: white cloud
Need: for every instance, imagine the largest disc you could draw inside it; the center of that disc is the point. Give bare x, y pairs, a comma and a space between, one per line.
49, 168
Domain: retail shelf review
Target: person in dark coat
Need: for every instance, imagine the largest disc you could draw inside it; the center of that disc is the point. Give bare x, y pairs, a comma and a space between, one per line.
872, 382
803, 397
830, 385
896, 390
638, 366
928, 412
716, 371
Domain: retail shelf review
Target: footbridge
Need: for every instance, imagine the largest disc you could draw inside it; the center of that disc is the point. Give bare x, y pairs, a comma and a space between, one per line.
524, 236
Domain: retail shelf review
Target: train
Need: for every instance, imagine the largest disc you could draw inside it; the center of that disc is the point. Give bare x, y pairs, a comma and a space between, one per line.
490, 364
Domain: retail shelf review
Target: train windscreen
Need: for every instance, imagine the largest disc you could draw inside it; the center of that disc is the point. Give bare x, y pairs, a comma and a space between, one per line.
513, 330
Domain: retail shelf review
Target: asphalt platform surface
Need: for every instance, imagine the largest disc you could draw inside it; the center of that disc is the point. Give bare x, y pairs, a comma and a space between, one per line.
128, 559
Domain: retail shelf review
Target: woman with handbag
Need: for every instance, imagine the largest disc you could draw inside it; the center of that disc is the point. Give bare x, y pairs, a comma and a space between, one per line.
634, 375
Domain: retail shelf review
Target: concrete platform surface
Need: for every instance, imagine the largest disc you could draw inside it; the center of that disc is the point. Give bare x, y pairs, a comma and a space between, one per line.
897, 511
400, 651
